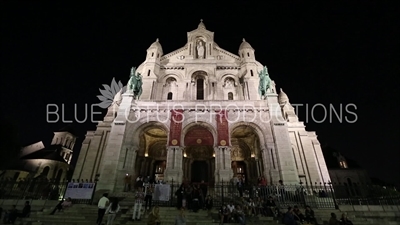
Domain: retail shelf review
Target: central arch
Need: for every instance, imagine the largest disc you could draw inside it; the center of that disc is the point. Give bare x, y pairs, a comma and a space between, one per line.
198, 161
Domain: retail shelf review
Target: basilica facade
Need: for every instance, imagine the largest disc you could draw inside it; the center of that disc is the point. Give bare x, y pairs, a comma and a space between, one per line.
201, 113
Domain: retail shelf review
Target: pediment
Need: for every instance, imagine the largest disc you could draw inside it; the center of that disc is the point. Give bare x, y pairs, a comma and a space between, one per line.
175, 56
222, 54
181, 54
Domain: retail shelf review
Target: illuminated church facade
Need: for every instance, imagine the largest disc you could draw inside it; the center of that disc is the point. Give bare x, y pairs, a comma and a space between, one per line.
201, 116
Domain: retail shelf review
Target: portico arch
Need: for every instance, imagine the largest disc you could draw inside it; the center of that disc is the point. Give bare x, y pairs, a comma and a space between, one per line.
146, 150
258, 129
246, 155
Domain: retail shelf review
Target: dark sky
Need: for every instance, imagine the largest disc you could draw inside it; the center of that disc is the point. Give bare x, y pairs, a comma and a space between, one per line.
329, 53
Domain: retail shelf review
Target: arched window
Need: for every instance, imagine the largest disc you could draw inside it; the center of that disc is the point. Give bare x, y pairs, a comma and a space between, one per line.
67, 155
230, 96
248, 54
16, 175
342, 163
169, 96
251, 72
350, 186
349, 181
59, 174
152, 54
200, 89
148, 73
46, 171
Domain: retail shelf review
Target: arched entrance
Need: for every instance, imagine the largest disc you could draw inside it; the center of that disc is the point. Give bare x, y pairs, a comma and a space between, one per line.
198, 161
246, 153
152, 154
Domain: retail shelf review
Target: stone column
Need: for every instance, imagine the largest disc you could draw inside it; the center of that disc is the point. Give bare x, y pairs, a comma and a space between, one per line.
228, 159
258, 167
133, 151
218, 160
223, 170
268, 169
174, 169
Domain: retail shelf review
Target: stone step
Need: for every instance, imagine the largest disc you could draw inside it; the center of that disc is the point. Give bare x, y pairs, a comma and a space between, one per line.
87, 214
133, 223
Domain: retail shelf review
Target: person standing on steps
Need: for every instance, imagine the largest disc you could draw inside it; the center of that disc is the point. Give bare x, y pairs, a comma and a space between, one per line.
137, 208
112, 211
102, 206
149, 196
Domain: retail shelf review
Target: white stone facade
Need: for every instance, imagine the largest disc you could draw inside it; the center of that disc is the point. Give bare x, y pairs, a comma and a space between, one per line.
263, 135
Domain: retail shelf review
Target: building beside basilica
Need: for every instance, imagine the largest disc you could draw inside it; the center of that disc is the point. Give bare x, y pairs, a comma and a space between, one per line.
343, 170
50, 162
201, 115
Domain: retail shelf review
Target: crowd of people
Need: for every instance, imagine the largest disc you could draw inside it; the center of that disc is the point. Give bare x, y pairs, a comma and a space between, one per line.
192, 197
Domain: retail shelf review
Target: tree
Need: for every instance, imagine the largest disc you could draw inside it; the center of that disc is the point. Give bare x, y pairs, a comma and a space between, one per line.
10, 144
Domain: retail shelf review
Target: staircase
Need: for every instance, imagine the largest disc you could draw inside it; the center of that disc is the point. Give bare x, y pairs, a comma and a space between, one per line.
87, 214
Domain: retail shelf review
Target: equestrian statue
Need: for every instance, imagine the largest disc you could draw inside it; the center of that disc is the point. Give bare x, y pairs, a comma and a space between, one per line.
265, 82
135, 83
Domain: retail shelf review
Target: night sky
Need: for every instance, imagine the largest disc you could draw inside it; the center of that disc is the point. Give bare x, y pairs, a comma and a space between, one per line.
329, 53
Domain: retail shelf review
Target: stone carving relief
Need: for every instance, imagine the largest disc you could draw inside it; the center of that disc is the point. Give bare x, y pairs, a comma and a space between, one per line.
202, 152
229, 83
170, 82
158, 152
237, 153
